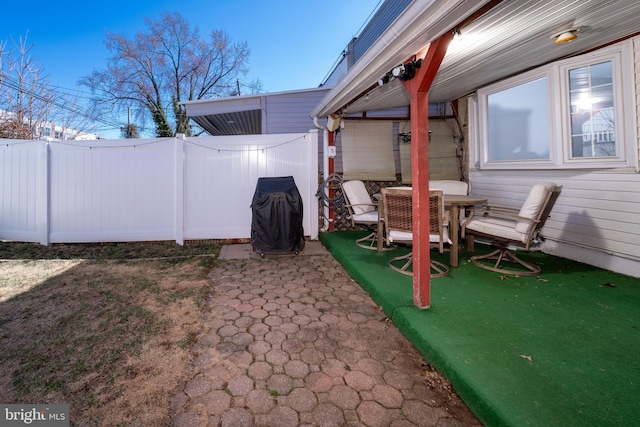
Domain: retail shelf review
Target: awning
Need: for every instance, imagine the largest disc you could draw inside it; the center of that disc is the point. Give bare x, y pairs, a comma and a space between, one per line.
508, 39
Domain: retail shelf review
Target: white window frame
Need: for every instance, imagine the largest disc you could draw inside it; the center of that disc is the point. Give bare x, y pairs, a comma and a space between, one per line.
559, 113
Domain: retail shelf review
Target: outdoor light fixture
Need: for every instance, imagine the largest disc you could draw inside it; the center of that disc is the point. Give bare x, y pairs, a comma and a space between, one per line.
410, 69
565, 35
406, 71
398, 71
401, 72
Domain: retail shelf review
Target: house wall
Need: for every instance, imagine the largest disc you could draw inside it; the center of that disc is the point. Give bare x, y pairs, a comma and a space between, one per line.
288, 112
379, 23
636, 74
596, 219
147, 189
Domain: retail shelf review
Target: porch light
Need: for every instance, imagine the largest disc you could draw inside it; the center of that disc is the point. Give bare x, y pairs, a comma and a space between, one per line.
401, 72
398, 71
565, 35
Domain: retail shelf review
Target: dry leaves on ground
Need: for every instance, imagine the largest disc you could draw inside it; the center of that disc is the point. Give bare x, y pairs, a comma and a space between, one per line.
111, 337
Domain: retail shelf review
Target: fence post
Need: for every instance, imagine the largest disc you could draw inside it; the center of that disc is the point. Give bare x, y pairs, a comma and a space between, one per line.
179, 199
313, 167
43, 194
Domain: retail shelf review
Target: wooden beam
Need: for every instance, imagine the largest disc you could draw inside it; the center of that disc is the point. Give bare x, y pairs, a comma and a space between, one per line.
418, 88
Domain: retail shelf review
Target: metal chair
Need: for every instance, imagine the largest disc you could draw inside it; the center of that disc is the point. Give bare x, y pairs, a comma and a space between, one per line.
506, 227
397, 212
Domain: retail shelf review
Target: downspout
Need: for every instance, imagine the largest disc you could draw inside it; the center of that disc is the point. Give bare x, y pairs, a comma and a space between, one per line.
325, 167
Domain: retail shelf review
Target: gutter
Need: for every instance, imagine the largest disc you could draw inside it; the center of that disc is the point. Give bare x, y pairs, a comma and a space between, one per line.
422, 22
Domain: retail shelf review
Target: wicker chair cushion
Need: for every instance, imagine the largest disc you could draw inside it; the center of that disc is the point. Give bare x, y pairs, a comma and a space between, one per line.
403, 236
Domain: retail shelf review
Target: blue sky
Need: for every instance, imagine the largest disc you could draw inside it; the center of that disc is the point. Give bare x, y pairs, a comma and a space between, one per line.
293, 43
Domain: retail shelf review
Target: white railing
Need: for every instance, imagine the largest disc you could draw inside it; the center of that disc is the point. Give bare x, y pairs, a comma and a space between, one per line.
147, 189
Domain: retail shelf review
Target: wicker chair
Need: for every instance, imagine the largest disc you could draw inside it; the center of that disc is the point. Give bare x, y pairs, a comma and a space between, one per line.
398, 223
506, 227
362, 211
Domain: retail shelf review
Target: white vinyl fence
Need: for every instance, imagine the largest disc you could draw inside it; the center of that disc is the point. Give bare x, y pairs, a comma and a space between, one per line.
147, 189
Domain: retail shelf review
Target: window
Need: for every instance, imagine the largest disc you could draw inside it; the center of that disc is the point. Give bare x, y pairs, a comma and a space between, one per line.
592, 111
573, 113
518, 119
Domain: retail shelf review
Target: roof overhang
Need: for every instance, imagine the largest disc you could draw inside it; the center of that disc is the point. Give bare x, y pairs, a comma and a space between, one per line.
422, 22
238, 115
510, 38
235, 115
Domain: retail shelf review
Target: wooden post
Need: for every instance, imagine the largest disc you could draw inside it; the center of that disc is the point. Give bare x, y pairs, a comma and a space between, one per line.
418, 88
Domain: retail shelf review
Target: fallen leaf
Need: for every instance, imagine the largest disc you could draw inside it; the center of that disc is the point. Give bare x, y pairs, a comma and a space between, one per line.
503, 277
526, 357
543, 280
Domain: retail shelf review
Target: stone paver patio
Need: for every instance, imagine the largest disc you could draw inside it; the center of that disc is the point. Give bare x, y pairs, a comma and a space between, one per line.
293, 341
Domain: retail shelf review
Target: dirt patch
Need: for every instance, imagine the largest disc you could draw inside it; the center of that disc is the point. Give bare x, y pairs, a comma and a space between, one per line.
109, 337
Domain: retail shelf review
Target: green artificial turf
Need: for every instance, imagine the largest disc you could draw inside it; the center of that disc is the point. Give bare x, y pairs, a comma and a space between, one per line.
559, 349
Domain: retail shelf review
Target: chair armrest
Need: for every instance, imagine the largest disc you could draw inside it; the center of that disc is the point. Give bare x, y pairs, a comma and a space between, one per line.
362, 204
503, 212
351, 210
497, 208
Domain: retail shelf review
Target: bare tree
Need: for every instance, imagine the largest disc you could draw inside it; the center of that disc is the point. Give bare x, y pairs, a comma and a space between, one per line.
28, 102
23, 94
165, 65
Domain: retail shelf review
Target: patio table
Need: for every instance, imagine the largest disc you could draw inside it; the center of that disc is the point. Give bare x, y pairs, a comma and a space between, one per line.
454, 202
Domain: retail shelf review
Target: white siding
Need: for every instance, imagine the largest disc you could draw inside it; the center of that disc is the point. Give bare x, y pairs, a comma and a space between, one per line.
636, 69
596, 218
